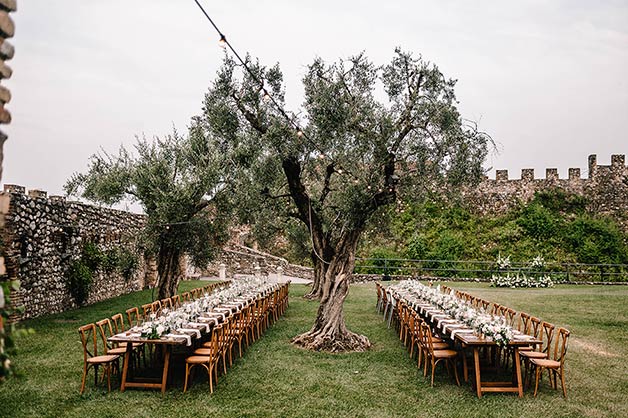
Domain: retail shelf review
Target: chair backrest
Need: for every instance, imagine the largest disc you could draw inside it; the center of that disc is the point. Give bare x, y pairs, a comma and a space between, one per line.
185, 296
133, 316
510, 315
216, 340
524, 322
118, 323
495, 309
166, 303
147, 309
176, 301
426, 334
535, 327
560, 348
106, 330
485, 304
87, 333
548, 335
156, 307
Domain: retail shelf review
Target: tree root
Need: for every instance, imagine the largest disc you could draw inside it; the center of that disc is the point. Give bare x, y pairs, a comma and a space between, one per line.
332, 342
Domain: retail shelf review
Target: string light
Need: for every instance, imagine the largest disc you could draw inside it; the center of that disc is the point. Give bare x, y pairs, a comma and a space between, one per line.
224, 43
266, 96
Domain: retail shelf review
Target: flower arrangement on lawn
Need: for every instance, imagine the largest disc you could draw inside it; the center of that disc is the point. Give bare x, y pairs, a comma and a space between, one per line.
521, 280
482, 322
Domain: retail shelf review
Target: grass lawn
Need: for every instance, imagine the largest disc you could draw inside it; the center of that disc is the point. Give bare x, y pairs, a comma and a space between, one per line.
276, 379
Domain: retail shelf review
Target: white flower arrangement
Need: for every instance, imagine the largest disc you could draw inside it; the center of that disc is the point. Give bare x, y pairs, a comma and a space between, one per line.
482, 322
503, 263
156, 326
537, 262
521, 280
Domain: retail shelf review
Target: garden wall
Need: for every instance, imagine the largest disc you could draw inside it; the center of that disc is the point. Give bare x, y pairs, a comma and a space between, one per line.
42, 236
605, 188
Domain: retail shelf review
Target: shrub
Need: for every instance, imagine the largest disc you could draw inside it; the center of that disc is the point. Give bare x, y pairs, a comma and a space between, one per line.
597, 240
80, 279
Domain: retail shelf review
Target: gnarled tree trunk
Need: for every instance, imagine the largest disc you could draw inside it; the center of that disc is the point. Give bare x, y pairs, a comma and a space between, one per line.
329, 332
169, 271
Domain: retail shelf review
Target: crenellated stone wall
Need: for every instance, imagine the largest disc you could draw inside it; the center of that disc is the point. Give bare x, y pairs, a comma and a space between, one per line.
605, 188
43, 235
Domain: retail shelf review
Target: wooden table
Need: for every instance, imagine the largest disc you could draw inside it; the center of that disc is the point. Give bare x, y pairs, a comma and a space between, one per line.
469, 340
166, 344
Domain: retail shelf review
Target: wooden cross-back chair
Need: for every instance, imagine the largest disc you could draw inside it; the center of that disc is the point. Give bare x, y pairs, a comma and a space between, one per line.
541, 351
91, 359
555, 365
176, 301
185, 296
133, 317
434, 355
206, 356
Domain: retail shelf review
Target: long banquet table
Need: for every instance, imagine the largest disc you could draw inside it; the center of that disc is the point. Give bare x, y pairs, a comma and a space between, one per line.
463, 334
181, 337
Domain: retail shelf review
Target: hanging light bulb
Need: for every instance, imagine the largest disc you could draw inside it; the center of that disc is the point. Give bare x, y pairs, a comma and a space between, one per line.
299, 132
266, 96
339, 171
223, 41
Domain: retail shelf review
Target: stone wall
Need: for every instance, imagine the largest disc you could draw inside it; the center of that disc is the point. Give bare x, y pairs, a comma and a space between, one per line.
239, 259
42, 236
605, 188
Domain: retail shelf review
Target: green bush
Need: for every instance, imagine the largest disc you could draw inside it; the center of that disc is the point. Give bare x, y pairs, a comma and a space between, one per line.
80, 277
538, 221
597, 240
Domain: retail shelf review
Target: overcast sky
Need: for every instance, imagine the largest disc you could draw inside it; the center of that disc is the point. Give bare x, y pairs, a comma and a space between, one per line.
546, 79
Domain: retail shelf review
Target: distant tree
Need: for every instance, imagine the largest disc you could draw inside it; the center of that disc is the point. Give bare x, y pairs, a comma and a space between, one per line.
179, 182
369, 135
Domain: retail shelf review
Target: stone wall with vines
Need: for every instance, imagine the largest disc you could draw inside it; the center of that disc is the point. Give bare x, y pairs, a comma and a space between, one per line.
66, 254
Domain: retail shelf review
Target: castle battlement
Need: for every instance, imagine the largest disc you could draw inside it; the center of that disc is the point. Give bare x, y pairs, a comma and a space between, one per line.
617, 167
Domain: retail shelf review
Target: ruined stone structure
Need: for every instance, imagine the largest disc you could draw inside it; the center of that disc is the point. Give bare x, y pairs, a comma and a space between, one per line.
605, 188
239, 259
43, 235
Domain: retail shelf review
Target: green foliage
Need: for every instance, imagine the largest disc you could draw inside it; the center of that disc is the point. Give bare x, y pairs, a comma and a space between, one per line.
360, 152
79, 279
597, 240
553, 225
180, 183
381, 261
538, 221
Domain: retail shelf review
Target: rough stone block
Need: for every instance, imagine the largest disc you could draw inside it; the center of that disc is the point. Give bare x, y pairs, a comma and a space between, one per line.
8, 5
501, 174
574, 174
527, 174
38, 194
551, 174
5, 95
5, 115
14, 188
618, 161
592, 164
5, 71
7, 27
7, 50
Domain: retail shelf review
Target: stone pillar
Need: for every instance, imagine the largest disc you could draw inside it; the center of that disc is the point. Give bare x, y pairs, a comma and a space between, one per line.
222, 271
258, 271
592, 165
279, 274
501, 174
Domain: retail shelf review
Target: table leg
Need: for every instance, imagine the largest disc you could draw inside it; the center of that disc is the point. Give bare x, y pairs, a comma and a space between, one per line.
125, 366
164, 377
518, 372
478, 379
465, 369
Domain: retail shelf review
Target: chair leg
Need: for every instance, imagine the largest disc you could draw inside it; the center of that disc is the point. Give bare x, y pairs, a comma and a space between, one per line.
562, 383
187, 375
83, 379
209, 375
538, 377
108, 371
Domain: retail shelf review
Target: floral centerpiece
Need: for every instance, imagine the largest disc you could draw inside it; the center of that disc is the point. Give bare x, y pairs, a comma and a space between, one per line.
477, 319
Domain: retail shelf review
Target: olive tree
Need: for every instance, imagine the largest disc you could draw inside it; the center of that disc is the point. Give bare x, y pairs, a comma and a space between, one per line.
180, 183
366, 136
